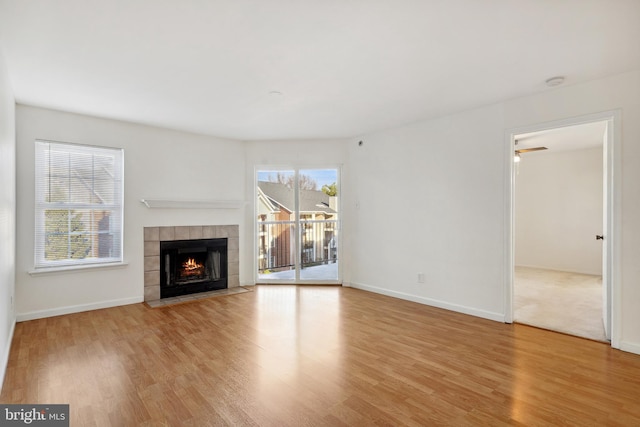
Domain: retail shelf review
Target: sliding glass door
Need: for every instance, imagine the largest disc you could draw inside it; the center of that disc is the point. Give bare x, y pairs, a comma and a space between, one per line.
297, 226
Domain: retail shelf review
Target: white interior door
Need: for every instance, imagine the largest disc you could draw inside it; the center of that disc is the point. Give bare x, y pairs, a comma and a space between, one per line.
611, 218
606, 252
559, 212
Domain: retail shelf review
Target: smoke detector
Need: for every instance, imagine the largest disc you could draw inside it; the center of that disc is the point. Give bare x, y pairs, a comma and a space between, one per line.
554, 81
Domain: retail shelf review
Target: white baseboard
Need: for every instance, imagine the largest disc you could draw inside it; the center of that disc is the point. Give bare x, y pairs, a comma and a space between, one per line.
41, 314
630, 347
5, 358
498, 317
540, 267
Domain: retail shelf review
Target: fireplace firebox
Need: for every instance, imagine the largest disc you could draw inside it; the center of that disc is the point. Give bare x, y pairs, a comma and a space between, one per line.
191, 266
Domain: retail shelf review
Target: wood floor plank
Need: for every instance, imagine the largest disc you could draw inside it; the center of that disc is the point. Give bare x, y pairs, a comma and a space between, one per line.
315, 356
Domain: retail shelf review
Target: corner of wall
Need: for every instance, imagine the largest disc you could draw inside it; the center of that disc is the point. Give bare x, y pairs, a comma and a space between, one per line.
5, 356
7, 216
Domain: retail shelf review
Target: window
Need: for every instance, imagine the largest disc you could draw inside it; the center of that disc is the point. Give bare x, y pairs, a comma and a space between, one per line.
79, 201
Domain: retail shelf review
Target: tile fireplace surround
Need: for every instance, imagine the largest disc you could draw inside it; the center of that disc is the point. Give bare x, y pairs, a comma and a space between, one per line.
154, 235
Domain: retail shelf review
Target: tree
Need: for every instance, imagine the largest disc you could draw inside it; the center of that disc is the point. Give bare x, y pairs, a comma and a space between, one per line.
62, 241
330, 190
304, 181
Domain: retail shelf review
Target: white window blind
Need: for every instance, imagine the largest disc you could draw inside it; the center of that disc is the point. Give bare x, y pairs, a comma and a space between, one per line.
79, 205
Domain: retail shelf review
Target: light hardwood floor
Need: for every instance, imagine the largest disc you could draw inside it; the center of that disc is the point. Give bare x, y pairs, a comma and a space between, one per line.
286, 355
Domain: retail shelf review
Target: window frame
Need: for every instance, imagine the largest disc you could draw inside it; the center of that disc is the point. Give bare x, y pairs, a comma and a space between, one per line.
41, 206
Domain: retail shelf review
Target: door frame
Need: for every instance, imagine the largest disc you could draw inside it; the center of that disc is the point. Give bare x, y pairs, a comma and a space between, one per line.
613, 161
296, 169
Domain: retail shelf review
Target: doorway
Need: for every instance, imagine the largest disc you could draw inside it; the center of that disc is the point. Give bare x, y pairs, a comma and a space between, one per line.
297, 225
562, 226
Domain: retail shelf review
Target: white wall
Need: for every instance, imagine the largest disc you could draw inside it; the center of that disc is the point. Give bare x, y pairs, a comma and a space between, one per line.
428, 198
558, 211
431, 197
7, 215
159, 164
300, 154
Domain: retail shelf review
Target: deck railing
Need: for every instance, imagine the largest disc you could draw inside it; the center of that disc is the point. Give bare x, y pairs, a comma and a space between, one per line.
277, 243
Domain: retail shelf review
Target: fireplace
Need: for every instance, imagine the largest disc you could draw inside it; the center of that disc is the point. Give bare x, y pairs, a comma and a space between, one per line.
154, 236
191, 266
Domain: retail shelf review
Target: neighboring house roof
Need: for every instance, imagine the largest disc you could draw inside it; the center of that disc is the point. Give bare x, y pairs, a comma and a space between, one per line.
270, 205
282, 196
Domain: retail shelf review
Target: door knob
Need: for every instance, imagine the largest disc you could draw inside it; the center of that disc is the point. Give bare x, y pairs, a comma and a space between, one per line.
599, 237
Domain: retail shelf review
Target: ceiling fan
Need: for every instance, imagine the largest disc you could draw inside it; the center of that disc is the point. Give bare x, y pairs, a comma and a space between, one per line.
516, 158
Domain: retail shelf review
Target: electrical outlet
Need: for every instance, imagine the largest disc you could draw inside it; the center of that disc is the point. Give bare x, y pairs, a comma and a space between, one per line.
420, 277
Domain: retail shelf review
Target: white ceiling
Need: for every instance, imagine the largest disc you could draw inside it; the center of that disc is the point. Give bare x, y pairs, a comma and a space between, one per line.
568, 138
343, 67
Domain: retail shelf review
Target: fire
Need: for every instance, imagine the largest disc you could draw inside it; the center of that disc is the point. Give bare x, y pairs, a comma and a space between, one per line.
191, 264
191, 269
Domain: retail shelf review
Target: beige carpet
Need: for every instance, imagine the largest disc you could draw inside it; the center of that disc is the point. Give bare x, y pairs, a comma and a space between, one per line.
559, 301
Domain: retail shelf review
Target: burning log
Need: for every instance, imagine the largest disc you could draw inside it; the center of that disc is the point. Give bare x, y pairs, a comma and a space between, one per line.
191, 268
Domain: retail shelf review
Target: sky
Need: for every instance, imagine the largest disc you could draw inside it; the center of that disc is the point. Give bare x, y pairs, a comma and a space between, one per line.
321, 176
